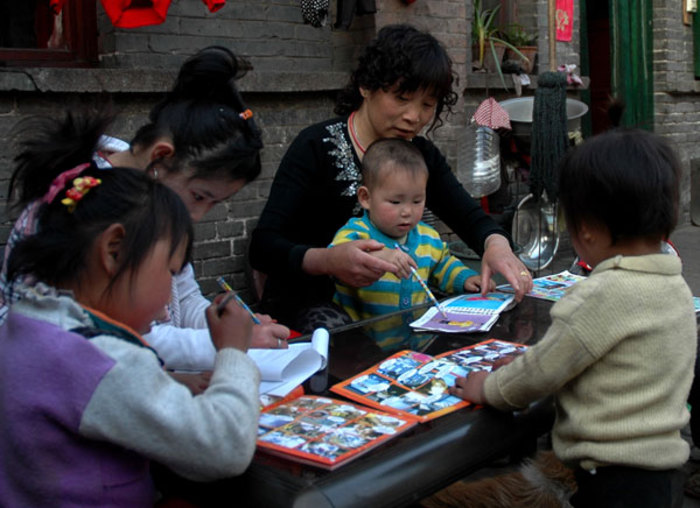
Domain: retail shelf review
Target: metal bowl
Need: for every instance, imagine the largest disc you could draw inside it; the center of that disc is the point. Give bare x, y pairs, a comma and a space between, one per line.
520, 112
536, 232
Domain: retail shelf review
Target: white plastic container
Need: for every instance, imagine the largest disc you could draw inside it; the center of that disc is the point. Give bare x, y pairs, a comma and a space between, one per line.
479, 168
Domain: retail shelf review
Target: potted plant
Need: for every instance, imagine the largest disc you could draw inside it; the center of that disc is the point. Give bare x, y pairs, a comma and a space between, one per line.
526, 44
487, 41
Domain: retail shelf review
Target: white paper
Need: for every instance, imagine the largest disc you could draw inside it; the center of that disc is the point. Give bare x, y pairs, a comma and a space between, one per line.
282, 370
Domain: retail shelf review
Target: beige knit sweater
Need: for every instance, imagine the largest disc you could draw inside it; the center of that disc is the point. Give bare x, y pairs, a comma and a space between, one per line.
619, 359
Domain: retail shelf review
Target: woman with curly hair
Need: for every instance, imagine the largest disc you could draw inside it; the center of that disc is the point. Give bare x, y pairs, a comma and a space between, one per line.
402, 84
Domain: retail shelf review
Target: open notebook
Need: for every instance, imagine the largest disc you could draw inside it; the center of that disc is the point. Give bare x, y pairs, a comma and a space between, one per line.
281, 370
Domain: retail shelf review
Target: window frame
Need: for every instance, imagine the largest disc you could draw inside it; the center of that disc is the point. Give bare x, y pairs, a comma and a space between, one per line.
80, 32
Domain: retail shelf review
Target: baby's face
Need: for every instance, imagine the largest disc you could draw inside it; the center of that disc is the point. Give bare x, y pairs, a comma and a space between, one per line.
396, 202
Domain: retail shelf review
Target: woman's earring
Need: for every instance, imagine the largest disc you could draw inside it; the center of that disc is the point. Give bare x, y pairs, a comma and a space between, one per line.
155, 174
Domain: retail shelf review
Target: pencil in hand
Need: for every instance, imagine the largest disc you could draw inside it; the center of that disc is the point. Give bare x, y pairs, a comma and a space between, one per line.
425, 287
220, 308
429, 293
232, 294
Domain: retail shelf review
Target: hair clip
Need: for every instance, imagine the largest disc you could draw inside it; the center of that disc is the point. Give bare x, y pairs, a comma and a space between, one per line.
81, 186
246, 115
60, 181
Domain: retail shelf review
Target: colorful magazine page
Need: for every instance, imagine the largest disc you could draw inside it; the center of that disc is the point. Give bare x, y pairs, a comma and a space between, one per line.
415, 385
465, 313
269, 401
325, 432
550, 287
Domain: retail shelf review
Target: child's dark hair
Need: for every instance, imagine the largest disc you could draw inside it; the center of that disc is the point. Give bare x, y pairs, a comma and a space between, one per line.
212, 130
625, 179
49, 146
394, 154
204, 116
407, 57
148, 211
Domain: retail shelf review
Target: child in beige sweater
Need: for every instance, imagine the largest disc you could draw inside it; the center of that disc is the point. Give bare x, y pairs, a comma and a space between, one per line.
619, 354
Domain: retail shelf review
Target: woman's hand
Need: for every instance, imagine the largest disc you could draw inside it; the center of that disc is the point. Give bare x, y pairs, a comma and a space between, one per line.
470, 388
473, 284
349, 262
499, 258
230, 326
269, 334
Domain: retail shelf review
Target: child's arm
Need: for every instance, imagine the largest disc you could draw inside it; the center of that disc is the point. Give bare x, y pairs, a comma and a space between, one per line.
196, 382
137, 405
471, 387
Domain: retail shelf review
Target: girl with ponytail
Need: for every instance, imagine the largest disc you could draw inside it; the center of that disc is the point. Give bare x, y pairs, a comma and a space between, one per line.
201, 141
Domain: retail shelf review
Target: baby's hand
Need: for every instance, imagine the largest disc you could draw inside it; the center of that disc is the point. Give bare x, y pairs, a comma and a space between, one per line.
230, 326
473, 284
470, 388
401, 260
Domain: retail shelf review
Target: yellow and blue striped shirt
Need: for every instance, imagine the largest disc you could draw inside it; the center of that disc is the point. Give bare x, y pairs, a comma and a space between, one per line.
434, 262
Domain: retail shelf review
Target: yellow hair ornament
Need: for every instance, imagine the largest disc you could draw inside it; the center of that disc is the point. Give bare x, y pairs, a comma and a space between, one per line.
81, 186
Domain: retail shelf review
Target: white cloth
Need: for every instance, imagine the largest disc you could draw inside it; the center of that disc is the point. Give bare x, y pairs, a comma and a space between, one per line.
184, 342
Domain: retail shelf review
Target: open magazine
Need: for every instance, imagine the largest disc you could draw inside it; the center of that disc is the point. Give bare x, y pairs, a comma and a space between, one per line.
550, 287
465, 313
325, 432
282, 370
414, 385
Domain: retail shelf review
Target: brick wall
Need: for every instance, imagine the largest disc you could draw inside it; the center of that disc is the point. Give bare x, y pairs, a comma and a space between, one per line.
676, 92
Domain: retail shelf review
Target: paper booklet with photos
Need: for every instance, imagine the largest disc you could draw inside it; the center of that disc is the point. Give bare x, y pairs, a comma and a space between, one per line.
470, 312
414, 385
549, 287
325, 432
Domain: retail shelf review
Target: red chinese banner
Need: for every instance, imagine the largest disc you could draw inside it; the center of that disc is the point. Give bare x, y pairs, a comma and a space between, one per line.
564, 18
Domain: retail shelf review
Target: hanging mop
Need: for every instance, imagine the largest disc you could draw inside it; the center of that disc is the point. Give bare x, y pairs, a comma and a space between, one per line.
549, 133
535, 222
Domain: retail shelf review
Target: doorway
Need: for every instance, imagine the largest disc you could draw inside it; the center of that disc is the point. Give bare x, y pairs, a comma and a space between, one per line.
616, 52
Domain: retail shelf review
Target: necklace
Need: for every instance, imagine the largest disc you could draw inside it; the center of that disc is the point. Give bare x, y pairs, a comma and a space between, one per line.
353, 132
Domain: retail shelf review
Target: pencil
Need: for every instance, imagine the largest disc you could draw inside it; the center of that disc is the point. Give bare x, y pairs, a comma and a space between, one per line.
222, 303
426, 288
430, 293
232, 294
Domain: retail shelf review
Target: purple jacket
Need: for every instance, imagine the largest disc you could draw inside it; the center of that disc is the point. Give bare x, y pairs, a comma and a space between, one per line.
47, 377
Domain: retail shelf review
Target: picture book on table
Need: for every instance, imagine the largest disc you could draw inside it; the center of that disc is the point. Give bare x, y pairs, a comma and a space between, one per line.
465, 313
415, 385
550, 287
325, 432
